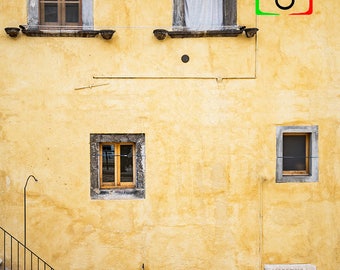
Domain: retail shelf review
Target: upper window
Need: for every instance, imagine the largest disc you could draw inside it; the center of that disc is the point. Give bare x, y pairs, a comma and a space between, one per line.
297, 154
202, 15
60, 14
117, 166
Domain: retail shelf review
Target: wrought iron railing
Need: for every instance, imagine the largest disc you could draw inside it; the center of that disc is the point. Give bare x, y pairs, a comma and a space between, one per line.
14, 255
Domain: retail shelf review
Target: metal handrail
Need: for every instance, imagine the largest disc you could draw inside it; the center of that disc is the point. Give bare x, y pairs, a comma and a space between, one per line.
14, 259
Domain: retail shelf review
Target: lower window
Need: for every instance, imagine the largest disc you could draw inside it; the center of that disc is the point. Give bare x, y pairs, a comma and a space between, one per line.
117, 166
297, 154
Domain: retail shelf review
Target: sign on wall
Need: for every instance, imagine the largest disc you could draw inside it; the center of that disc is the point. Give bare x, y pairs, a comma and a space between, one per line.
297, 7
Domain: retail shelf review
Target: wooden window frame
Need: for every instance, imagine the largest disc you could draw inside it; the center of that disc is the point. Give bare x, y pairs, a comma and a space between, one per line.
34, 21
61, 14
117, 170
307, 155
229, 14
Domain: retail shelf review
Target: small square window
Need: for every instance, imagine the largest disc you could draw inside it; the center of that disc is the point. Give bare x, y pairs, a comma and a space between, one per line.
297, 154
117, 166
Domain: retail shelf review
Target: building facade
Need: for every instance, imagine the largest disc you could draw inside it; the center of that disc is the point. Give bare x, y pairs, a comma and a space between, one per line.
183, 138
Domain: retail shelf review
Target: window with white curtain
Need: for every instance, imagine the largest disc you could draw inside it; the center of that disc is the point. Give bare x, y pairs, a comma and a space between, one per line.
203, 15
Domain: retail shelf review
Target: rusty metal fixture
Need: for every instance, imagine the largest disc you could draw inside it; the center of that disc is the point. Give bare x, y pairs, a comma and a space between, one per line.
160, 34
107, 33
250, 32
12, 31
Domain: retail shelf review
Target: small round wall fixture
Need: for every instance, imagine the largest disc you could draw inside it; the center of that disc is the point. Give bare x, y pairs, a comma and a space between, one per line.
185, 58
160, 34
107, 33
250, 32
12, 31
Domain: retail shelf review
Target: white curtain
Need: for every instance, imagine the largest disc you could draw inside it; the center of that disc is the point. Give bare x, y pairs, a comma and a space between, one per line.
204, 14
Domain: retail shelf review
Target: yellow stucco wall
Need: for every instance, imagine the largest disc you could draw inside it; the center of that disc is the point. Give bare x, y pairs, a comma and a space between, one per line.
211, 197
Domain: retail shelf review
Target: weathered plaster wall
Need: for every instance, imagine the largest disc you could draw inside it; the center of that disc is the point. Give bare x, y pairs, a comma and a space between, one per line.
211, 197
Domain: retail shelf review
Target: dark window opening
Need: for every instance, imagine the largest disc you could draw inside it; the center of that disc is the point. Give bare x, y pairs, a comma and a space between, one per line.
72, 13
51, 13
295, 154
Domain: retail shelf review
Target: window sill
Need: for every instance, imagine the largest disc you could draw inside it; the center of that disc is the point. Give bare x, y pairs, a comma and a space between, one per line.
105, 33
118, 194
297, 179
161, 34
208, 33
60, 33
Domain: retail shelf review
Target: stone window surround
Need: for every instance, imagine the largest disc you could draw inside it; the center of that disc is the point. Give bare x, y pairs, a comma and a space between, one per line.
138, 192
314, 153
